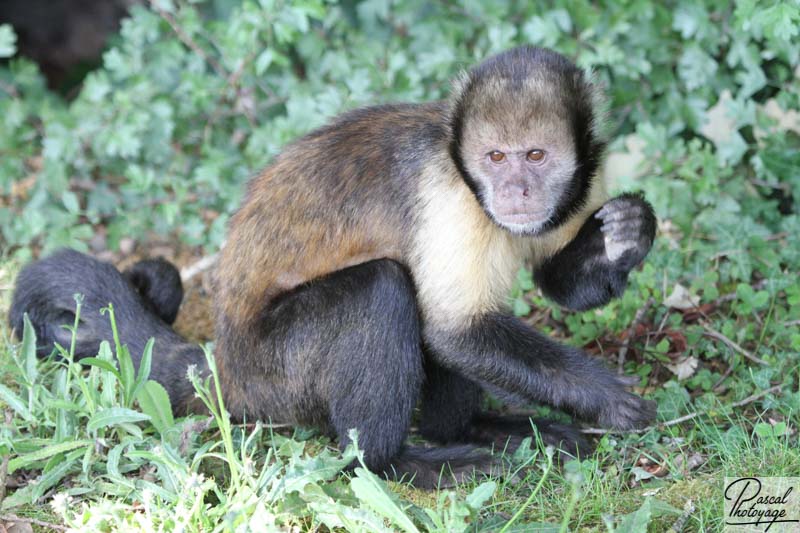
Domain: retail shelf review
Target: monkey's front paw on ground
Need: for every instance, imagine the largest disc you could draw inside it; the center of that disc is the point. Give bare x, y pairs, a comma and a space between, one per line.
628, 411
629, 227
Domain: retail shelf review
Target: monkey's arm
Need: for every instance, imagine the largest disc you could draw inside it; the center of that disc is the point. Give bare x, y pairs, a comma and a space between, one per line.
505, 355
594, 267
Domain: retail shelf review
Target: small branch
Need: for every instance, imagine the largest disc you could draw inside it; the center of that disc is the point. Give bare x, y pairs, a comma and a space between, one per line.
230, 82
679, 524
4, 477
637, 319
728, 372
720, 337
761, 183
731, 296
684, 418
188, 41
9, 89
9, 418
33, 521
196, 268
777, 236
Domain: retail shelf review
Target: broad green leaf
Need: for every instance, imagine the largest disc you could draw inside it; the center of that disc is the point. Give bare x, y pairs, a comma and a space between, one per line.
101, 364
8, 41
145, 364
44, 453
154, 402
16, 403
264, 60
521, 307
28, 350
112, 465
637, 521
696, 67
481, 494
113, 416
70, 201
780, 21
372, 492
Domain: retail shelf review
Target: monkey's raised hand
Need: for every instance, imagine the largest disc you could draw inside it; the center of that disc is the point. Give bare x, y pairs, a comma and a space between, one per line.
629, 227
594, 267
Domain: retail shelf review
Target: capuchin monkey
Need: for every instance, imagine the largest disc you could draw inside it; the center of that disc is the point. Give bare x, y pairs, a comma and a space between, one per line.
368, 269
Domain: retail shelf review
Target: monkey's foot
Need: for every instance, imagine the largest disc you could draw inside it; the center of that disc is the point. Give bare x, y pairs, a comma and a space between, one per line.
506, 433
441, 467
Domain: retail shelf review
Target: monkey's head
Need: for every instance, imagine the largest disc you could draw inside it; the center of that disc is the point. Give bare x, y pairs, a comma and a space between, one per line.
524, 138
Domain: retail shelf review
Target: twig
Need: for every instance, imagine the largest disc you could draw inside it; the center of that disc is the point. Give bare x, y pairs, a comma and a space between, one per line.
679, 524
9, 418
34, 521
720, 337
684, 418
230, 82
722, 378
623, 351
777, 236
757, 286
761, 183
9, 89
4, 477
196, 268
188, 41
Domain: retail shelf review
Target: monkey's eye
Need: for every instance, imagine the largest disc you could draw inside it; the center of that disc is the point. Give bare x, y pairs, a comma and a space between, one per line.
497, 156
536, 155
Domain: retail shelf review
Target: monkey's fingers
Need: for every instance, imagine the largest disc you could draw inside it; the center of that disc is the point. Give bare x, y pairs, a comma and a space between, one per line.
618, 209
627, 235
628, 411
629, 227
629, 381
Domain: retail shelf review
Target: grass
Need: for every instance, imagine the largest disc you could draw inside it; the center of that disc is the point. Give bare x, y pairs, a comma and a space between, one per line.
92, 448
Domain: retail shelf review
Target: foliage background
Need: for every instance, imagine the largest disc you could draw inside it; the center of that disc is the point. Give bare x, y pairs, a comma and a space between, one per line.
176, 122
194, 97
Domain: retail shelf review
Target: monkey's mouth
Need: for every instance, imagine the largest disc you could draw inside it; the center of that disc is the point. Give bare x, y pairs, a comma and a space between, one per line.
522, 218
523, 222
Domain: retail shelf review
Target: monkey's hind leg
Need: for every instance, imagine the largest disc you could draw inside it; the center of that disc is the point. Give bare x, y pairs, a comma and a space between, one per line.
451, 413
350, 346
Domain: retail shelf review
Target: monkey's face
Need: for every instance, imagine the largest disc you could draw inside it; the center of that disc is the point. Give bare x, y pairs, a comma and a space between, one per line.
524, 138
521, 166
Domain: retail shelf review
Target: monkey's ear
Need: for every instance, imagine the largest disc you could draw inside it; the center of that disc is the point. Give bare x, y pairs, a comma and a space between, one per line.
595, 90
459, 87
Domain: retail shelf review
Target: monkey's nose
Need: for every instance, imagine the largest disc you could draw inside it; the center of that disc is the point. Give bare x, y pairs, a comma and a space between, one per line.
515, 190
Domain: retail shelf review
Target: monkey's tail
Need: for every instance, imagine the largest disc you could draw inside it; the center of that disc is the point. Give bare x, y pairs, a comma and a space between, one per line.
145, 299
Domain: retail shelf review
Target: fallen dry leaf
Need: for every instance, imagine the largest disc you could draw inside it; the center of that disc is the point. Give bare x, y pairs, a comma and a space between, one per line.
17, 527
681, 298
684, 367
